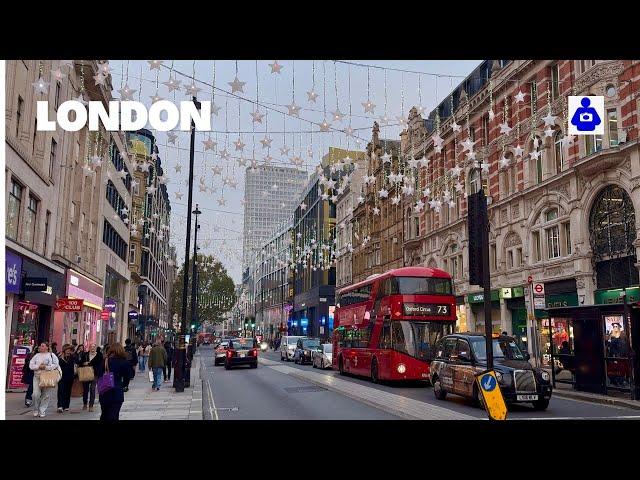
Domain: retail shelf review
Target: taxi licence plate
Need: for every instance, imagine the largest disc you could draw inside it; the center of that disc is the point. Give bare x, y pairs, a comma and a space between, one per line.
241, 355
527, 397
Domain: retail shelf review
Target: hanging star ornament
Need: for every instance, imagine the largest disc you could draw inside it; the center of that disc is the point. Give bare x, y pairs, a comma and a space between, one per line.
455, 171
208, 144
437, 140
419, 206
467, 145
324, 126
337, 115
349, 131
424, 161
257, 116
383, 193
455, 127
172, 84
386, 158
154, 64
40, 86
312, 96
172, 137
505, 128
126, 93
567, 140
369, 106
225, 154
459, 187
266, 142
518, 151
519, 96
491, 115
549, 132
294, 110
242, 162
104, 68
471, 156
156, 98
216, 169
239, 145
214, 108
376, 211
284, 151
276, 67
485, 167
192, 90
504, 162
99, 79
178, 168
549, 120
236, 85
395, 200
426, 192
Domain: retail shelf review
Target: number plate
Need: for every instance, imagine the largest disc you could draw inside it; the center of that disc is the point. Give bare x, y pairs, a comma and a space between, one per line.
241, 355
527, 397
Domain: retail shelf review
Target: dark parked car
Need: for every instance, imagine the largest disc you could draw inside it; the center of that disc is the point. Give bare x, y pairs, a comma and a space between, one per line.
241, 351
304, 350
460, 357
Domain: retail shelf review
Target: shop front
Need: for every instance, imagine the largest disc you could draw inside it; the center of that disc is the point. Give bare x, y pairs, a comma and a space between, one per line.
461, 315
476, 304
84, 326
513, 299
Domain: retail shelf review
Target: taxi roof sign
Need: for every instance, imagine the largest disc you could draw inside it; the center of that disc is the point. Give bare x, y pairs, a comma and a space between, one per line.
492, 395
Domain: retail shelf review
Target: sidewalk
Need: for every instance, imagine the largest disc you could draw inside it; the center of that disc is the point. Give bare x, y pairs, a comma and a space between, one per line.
596, 398
140, 402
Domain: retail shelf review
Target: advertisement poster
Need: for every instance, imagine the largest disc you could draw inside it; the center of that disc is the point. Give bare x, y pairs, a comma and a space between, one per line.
560, 332
615, 338
18, 358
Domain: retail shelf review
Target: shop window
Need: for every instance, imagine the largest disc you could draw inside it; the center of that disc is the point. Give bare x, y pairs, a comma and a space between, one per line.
617, 352
29, 232
13, 210
556, 340
555, 81
612, 118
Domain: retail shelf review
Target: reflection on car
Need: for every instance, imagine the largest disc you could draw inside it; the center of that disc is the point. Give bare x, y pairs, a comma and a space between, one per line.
323, 358
220, 352
304, 348
288, 346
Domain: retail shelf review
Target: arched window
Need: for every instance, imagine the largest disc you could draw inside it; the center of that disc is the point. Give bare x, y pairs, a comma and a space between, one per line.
558, 152
474, 181
612, 233
453, 261
551, 236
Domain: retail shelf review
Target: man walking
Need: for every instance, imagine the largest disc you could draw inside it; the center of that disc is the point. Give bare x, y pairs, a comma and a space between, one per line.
167, 370
157, 361
132, 358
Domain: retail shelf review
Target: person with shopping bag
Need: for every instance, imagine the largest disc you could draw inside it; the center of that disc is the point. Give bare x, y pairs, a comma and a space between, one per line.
157, 362
46, 376
67, 365
90, 367
110, 383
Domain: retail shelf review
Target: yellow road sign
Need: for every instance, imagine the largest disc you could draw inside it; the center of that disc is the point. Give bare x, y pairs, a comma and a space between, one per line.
492, 395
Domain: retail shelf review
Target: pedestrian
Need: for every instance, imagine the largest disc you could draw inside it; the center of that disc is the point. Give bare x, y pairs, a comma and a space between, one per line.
111, 401
54, 348
42, 361
67, 365
140, 353
132, 357
167, 369
93, 358
157, 361
27, 379
78, 353
147, 352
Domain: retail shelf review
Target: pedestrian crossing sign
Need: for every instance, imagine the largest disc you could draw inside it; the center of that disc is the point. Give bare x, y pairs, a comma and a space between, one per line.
492, 395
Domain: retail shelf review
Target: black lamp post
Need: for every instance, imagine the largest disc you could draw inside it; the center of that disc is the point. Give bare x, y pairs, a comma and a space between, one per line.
178, 378
194, 282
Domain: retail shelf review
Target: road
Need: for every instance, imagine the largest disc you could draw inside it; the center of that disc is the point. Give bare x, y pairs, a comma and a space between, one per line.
275, 391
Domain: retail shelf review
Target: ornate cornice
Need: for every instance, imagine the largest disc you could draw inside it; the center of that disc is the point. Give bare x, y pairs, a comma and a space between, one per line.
597, 73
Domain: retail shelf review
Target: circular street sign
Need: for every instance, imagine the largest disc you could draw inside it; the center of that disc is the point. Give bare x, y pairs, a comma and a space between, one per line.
538, 288
530, 279
488, 382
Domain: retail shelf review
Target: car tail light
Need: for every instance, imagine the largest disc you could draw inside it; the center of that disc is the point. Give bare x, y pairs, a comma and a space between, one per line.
229, 353
254, 352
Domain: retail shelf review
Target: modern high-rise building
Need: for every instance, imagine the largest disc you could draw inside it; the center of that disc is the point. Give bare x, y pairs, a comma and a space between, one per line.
271, 193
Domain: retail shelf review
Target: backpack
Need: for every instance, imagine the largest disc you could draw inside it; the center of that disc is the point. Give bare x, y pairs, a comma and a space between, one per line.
132, 356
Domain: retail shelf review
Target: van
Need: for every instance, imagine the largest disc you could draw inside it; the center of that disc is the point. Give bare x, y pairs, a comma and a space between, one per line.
288, 347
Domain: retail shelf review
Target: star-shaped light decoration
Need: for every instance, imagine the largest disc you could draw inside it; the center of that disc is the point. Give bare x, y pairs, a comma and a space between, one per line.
549, 120
426, 192
154, 64
105, 68
215, 109
151, 190
459, 187
40, 86
395, 200
504, 162
284, 150
340, 190
294, 109
402, 121
276, 67
124, 211
455, 127
192, 90
467, 145
432, 204
303, 206
471, 156
209, 144
408, 190
242, 161
333, 198
172, 137
455, 171
549, 132
268, 159
87, 170
325, 196
266, 142
216, 169
172, 84
519, 96
122, 174
202, 188
236, 85
126, 221
163, 179
418, 206
225, 154
155, 98
239, 145
324, 126
567, 140
222, 201
99, 79
518, 151
369, 106
424, 161
126, 93
96, 160
337, 115
413, 163
491, 115
383, 193
437, 140
257, 116
144, 166
311, 96
274, 187
386, 158
485, 167
505, 128
360, 199
178, 168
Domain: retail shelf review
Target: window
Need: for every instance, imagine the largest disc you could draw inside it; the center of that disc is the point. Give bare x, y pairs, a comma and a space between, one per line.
30, 222
555, 81
52, 160
13, 210
537, 147
566, 227
494, 258
551, 214
592, 144
19, 112
537, 253
510, 259
485, 130
46, 231
72, 213
57, 98
612, 116
518, 257
553, 242
82, 216
474, 181
611, 91
558, 152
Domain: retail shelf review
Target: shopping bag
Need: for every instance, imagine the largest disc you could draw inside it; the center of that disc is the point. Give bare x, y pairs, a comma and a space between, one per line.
107, 381
150, 376
76, 388
85, 374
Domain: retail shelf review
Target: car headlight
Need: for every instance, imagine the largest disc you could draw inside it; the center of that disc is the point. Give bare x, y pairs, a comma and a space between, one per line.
545, 376
401, 368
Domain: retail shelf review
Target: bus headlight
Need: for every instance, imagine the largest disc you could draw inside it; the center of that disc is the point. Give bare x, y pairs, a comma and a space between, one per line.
401, 368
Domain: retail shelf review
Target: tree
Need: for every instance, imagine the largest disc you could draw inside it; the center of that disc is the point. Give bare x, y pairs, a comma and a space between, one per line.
216, 291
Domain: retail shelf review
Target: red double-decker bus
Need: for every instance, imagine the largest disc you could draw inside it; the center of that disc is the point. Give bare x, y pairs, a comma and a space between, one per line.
387, 326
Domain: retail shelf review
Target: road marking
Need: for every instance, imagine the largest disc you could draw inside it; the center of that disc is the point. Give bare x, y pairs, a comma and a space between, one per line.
213, 411
621, 417
608, 405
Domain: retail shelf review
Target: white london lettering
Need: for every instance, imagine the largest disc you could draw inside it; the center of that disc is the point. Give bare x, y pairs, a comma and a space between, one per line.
124, 116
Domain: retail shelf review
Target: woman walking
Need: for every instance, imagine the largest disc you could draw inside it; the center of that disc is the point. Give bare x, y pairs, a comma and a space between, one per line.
67, 365
93, 358
141, 356
111, 400
42, 361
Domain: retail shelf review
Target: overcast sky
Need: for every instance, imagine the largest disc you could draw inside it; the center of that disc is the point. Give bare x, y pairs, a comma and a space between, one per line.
221, 226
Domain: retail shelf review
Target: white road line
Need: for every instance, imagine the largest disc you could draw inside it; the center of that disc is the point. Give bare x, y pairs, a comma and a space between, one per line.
620, 417
608, 405
212, 405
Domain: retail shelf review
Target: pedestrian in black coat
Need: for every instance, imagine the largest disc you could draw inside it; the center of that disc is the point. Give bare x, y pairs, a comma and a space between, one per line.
93, 358
67, 365
167, 368
27, 379
111, 401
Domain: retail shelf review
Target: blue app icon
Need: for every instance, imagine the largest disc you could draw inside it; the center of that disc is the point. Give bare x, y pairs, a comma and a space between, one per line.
586, 117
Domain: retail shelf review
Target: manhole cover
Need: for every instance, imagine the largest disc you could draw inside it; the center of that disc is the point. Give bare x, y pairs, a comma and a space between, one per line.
304, 389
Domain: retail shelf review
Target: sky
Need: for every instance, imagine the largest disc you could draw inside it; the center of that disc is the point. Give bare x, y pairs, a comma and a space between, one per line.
341, 84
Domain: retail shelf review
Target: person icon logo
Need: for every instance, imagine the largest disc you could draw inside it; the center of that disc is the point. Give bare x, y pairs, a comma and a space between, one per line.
586, 115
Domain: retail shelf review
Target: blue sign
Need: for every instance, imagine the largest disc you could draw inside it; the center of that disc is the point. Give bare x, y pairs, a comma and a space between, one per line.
304, 330
13, 272
133, 314
110, 304
488, 382
324, 319
586, 117
304, 322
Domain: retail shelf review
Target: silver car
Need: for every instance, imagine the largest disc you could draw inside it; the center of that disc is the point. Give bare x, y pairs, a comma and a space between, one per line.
288, 347
220, 352
322, 359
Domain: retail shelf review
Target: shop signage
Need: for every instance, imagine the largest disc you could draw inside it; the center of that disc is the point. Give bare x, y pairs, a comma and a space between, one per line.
133, 314
538, 289
69, 304
323, 299
539, 302
105, 314
13, 272
479, 297
18, 358
505, 293
615, 295
35, 284
517, 292
79, 286
110, 304
562, 300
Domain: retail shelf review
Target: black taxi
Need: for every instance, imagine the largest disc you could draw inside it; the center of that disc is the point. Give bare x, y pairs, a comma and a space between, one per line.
460, 357
241, 351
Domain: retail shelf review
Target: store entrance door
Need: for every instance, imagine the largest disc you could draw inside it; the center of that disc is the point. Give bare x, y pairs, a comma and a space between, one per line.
519, 327
589, 352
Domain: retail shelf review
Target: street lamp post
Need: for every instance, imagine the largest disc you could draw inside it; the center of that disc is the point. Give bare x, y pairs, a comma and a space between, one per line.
178, 378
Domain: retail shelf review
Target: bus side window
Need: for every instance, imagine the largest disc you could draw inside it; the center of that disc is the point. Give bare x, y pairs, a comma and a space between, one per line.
385, 335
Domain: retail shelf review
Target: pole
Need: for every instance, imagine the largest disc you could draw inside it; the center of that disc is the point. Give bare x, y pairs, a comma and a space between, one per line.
178, 377
194, 281
486, 282
630, 354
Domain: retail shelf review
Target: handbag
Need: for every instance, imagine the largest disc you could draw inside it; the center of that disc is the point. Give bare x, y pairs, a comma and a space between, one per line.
50, 378
86, 374
76, 388
150, 376
107, 381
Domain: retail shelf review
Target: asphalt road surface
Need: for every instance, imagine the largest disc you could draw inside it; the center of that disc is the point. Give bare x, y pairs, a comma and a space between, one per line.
268, 394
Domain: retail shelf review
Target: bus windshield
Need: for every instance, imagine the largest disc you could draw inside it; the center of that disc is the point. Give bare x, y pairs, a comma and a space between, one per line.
420, 286
418, 339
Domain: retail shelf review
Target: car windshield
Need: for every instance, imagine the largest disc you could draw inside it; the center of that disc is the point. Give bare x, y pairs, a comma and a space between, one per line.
223, 344
292, 340
241, 343
311, 343
328, 348
502, 348
421, 286
418, 339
